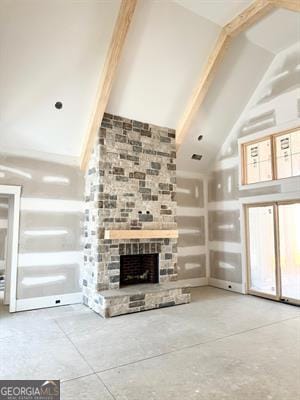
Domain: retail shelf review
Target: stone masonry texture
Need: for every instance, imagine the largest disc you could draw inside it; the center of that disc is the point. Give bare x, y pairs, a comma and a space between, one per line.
130, 184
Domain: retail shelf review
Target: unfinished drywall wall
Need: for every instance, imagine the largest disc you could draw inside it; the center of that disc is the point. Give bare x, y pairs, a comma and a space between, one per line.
191, 220
274, 104
3, 237
3, 225
226, 266
50, 250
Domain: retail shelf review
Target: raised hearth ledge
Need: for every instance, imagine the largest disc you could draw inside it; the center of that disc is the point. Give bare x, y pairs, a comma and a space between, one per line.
141, 234
142, 297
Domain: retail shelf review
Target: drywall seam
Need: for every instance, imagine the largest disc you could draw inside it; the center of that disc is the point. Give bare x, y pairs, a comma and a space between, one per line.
231, 247
223, 205
48, 301
232, 286
194, 282
52, 205
50, 259
205, 191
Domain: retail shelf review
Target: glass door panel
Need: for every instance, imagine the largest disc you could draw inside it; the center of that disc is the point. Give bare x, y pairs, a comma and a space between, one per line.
262, 257
289, 242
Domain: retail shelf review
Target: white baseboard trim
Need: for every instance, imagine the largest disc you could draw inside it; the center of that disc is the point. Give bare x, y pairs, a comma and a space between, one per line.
48, 301
231, 286
194, 282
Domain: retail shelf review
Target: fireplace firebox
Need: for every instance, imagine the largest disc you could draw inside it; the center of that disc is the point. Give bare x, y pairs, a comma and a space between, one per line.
138, 268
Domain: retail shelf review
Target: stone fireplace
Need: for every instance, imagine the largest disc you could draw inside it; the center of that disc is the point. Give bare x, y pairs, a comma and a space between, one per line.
130, 219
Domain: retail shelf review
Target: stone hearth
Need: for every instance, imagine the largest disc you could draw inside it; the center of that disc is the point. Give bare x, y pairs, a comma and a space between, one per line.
142, 297
130, 185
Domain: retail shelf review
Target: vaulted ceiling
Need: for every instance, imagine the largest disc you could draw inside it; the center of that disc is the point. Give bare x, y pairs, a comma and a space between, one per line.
50, 51
54, 51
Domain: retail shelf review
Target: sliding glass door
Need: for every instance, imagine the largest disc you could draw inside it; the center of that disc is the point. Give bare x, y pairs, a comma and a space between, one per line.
289, 250
261, 250
273, 246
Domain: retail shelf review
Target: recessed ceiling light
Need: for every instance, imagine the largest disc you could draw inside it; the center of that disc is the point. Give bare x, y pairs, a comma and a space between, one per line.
196, 157
200, 137
58, 105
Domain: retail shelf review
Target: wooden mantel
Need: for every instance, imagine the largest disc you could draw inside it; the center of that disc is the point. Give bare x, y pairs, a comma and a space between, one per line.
141, 234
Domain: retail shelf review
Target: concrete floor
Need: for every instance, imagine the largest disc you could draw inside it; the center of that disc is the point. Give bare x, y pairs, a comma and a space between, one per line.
221, 346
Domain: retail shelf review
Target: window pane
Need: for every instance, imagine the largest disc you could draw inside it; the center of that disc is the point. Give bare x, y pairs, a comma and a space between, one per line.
283, 145
295, 142
284, 167
262, 249
259, 164
265, 171
295, 150
252, 173
258, 157
252, 153
264, 150
259, 172
287, 154
296, 164
289, 239
259, 151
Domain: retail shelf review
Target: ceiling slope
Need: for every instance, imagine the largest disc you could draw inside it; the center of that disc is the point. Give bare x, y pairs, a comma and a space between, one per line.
218, 11
50, 51
274, 103
108, 73
229, 93
165, 48
277, 31
54, 51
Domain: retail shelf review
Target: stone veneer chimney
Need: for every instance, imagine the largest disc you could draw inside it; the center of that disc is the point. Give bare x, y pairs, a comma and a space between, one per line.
130, 184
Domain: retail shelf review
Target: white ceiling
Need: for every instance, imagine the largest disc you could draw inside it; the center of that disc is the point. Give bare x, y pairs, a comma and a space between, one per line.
161, 62
53, 50
238, 76
50, 51
218, 11
277, 31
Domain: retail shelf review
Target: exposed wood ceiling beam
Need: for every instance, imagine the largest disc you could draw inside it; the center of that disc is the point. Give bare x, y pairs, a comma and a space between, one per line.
292, 5
247, 18
121, 28
202, 87
257, 10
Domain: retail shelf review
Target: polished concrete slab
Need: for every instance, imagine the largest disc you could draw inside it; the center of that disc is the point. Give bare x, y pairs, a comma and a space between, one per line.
220, 346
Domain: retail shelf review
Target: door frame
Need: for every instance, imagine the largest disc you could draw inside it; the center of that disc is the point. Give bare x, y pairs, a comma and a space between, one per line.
282, 203
10, 292
248, 258
264, 200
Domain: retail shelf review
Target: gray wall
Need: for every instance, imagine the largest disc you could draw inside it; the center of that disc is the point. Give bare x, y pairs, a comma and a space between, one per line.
50, 249
274, 105
191, 220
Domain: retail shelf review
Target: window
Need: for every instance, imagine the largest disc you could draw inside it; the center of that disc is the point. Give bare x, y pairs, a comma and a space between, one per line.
258, 161
287, 147
273, 157
274, 264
